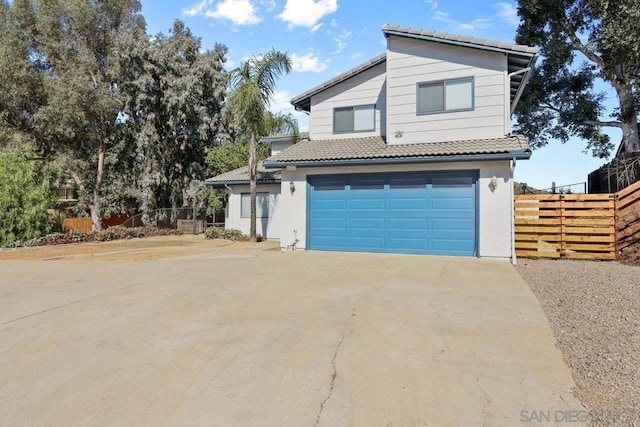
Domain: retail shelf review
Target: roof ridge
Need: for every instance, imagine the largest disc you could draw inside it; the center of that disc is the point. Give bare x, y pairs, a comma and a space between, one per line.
456, 38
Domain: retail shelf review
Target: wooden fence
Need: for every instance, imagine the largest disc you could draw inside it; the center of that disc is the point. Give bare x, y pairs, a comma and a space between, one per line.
627, 216
579, 226
82, 224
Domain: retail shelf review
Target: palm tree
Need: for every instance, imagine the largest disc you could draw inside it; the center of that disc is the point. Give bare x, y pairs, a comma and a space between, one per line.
252, 85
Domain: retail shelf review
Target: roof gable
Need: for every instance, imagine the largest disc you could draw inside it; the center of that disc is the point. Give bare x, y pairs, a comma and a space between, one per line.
519, 58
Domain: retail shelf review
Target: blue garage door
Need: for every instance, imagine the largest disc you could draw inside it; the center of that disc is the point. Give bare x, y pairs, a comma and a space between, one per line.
415, 213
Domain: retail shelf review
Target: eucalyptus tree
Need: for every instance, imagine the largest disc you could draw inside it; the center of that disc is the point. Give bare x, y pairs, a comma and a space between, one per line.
252, 86
21, 90
581, 42
70, 46
173, 94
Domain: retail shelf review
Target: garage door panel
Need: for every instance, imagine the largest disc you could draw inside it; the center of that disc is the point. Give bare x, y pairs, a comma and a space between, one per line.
422, 213
408, 245
339, 223
452, 224
407, 223
453, 203
331, 242
367, 243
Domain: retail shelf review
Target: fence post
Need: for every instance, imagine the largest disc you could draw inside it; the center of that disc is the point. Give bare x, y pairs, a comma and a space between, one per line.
563, 231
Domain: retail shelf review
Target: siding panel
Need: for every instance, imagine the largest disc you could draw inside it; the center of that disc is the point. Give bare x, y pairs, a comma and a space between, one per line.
364, 89
411, 61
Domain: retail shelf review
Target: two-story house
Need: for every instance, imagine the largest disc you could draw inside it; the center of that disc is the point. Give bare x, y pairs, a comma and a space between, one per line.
410, 152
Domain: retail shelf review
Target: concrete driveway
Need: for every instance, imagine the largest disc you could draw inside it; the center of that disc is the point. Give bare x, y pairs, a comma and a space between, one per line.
243, 336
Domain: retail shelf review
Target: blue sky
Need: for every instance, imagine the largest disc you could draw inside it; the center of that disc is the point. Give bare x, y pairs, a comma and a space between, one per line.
327, 37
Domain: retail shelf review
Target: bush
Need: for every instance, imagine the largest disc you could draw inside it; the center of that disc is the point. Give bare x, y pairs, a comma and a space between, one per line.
221, 233
26, 194
111, 233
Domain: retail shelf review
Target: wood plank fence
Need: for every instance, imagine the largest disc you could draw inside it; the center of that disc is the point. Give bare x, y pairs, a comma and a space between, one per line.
577, 226
627, 216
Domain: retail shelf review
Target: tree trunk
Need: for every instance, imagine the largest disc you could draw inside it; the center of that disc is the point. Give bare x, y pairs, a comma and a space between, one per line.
628, 119
96, 214
253, 174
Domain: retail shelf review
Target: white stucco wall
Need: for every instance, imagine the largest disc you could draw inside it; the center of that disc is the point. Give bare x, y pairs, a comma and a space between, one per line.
267, 227
495, 206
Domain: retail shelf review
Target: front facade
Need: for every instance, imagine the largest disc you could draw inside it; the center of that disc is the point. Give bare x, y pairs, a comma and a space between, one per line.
409, 152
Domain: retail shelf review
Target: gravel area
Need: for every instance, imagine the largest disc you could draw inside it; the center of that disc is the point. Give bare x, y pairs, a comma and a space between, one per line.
594, 309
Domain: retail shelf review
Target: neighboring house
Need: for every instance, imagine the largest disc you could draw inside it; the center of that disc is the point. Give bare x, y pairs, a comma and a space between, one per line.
410, 152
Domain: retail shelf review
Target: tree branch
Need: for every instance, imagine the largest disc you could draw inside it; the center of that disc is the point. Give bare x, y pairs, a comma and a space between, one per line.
571, 32
599, 123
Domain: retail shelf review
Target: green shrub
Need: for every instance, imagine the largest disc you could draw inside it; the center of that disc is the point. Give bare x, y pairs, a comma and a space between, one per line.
111, 233
26, 195
221, 233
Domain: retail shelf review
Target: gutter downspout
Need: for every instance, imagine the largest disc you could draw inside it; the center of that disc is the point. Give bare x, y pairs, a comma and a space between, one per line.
513, 214
228, 214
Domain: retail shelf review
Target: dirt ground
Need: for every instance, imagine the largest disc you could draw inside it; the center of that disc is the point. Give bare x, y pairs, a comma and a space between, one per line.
631, 255
125, 250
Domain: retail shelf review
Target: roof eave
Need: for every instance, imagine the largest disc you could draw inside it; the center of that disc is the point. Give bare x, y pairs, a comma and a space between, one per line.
302, 102
523, 84
517, 154
456, 42
224, 184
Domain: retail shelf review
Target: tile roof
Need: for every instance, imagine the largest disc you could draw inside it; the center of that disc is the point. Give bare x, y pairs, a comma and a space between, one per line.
344, 149
456, 39
241, 176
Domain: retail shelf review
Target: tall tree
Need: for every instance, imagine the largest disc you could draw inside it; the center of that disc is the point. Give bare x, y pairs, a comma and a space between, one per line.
21, 89
71, 44
233, 153
173, 93
581, 41
252, 85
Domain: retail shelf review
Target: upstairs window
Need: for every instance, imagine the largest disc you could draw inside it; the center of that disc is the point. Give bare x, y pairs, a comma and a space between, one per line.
359, 118
445, 95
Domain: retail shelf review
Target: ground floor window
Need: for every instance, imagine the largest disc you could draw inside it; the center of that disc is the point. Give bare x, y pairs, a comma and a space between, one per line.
262, 205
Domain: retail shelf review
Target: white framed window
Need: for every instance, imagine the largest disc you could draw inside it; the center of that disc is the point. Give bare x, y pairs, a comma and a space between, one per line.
262, 205
359, 118
445, 95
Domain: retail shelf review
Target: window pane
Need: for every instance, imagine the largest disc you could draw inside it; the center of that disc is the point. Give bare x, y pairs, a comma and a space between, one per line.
452, 181
262, 205
245, 205
343, 119
363, 118
431, 98
408, 183
459, 95
367, 184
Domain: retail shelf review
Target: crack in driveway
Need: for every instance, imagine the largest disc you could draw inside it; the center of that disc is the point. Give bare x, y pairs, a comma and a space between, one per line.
334, 373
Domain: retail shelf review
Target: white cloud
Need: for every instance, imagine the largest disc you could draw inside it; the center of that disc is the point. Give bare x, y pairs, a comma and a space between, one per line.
432, 3
465, 28
240, 12
306, 13
196, 8
308, 62
508, 13
315, 28
281, 103
341, 41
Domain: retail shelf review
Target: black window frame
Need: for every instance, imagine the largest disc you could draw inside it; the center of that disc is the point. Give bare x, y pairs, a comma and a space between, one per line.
352, 108
444, 82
